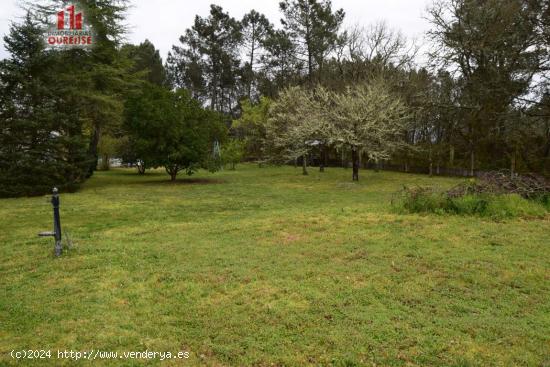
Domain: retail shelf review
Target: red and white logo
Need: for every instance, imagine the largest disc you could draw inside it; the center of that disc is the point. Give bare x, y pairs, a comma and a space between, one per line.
70, 29
75, 20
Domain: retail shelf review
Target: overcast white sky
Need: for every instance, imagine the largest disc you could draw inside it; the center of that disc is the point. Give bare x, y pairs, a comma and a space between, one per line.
163, 21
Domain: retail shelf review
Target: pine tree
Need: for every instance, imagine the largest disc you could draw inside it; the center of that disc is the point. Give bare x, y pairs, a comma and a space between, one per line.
146, 60
281, 67
207, 62
313, 27
255, 29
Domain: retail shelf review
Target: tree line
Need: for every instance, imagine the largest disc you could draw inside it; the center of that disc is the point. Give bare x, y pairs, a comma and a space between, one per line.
308, 91
482, 103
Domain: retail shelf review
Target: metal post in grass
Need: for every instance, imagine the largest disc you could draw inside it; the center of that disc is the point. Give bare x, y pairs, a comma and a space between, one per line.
56, 223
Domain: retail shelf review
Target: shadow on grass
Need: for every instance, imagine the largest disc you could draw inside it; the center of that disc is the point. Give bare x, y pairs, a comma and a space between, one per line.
128, 177
180, 181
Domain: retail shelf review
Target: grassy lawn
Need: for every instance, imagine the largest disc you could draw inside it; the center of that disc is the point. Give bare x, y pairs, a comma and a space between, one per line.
267, 267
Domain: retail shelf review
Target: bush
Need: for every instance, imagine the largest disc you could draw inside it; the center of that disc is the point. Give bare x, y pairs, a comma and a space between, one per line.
427, 200
469, 204
545, 201
420, 199
232, 152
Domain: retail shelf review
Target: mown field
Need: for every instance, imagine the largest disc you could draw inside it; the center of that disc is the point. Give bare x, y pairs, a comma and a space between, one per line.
267, 267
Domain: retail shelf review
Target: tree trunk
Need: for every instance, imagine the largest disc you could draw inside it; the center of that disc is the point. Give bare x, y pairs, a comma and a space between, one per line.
172, 171
513, 162
376, 165
141, 168
251, 70
232, 166
471, 146
105, 162
304, 165
431, 162
214, 96
451, 156
322, 159
472, 162
309, 60
355, 162
92, 150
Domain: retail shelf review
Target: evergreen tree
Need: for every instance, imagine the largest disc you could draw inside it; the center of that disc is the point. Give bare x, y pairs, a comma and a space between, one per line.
255, 29
171, 130
102, 69
280, 63
146, 60
313, 27
207, 62
41, 143
496, 48
145, 68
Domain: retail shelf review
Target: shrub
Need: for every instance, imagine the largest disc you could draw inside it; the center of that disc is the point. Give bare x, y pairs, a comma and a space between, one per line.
420, 199
427, 200
545, 201
513, 205
469, 204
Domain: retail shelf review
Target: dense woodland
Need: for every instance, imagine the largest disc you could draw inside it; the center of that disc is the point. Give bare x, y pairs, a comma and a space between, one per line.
307, 91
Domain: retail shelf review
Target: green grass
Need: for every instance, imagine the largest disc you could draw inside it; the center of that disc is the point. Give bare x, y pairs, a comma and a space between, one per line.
267, 267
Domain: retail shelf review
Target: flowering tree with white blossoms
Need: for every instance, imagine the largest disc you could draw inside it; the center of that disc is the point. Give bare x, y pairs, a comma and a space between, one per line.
362, 118
288, 133
368, 118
